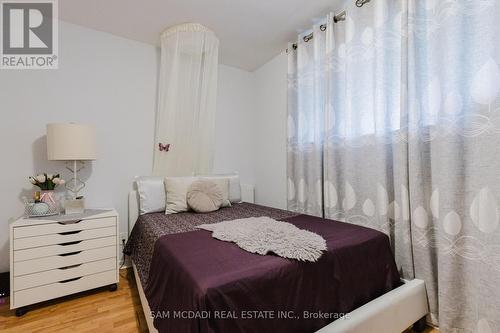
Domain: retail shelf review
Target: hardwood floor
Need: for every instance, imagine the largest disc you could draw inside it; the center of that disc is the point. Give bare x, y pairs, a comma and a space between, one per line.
93, 311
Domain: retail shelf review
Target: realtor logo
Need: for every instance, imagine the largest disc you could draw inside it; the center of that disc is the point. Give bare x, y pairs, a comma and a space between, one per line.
29, 34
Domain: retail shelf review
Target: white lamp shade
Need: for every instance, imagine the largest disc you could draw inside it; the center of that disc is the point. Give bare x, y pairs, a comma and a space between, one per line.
71, 142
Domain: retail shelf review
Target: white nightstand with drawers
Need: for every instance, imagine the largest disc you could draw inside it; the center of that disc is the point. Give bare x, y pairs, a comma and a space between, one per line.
61, 255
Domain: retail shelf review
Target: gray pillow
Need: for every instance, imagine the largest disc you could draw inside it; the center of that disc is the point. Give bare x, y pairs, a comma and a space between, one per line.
205, 196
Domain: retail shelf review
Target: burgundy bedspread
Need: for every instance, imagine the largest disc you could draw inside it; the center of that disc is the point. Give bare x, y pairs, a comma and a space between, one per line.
150, 227
200, 284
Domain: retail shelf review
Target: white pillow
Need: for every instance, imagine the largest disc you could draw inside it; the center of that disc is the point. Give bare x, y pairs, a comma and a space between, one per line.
234, 184
177, 188
151, 194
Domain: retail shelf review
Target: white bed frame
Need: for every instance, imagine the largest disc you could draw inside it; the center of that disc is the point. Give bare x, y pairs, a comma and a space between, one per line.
392, 312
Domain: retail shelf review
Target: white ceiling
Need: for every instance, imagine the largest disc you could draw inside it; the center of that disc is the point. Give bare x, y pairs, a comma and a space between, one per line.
251, 32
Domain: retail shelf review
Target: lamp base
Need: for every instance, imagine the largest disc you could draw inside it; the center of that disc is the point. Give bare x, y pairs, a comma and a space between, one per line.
76, 206
75, 184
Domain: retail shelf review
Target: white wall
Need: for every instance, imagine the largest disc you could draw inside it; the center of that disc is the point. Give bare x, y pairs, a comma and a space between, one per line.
103, 80
110, 82
234, 137
251, 128
270, 132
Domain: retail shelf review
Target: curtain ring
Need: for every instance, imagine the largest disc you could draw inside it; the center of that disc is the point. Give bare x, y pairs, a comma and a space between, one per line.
340, 17
360, 3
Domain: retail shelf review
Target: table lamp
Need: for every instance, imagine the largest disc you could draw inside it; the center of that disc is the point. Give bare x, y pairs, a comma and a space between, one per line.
74, 143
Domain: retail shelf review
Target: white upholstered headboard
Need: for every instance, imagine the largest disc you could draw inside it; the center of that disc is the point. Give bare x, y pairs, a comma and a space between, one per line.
133, 209
247, 195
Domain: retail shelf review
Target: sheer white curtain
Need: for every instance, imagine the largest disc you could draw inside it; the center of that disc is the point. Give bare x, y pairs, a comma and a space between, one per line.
186, 101
410, 143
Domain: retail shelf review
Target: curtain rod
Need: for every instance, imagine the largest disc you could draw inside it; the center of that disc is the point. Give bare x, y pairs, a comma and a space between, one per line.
337, 18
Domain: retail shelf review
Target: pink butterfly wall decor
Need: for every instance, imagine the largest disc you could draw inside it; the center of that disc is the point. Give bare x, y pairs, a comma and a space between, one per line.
163, 147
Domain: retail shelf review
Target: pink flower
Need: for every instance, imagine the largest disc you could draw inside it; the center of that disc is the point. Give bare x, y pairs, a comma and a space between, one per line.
58, 181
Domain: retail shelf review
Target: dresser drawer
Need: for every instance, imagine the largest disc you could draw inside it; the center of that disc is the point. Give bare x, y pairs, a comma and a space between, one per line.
61, 238
63, 227
52, 250
63, 260
63, 274
63, 288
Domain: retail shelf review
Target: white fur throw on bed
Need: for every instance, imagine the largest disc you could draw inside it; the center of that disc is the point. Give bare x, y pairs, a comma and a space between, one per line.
263, 235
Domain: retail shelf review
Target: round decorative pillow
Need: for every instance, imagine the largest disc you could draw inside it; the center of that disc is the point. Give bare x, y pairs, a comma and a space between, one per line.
204, 196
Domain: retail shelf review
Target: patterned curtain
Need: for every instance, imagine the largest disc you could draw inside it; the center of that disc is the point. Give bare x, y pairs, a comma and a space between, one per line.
453, 152
306, 111
411, 133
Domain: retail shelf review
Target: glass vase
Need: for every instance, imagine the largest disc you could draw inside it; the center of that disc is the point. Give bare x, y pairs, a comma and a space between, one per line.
48, 197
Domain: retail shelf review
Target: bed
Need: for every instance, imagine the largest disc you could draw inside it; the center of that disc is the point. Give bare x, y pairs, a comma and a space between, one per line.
190, 282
